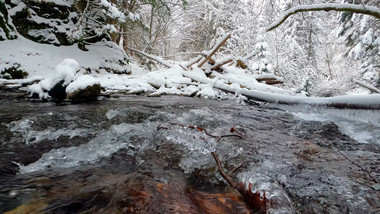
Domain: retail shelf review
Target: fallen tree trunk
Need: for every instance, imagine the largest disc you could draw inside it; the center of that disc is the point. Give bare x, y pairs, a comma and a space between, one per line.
240, 63
365, 85
219, 44
193, 61
269, 79
371, 101
220, 64
155, 58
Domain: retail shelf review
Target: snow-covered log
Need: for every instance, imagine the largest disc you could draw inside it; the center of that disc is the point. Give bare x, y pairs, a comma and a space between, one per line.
221, 63
219, 44
355, 8
155, 58
365, 85
269, 79
193, 61
371, 101
241, 63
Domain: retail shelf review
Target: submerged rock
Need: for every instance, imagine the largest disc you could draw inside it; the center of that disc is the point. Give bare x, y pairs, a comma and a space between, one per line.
117, 161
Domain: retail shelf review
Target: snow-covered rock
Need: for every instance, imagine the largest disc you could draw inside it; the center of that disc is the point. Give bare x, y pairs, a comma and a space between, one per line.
6, 27
83, 88
44, 21
55, 86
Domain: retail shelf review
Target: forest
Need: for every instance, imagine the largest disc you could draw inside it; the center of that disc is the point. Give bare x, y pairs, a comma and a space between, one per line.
320, 53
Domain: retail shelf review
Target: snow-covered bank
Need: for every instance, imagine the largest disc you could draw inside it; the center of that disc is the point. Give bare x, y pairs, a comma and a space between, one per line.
41, 59
105, 63
176, 81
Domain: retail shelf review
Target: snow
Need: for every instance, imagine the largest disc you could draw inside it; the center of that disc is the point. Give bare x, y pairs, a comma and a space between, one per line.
58, 2
112, 11
52, 64
357, 51
41, 59
207, 91
81, 82
368, 37
358, 8
64, 71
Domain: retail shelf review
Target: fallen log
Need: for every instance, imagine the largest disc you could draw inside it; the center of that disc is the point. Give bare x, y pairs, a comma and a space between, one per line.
240, 63
270, 81
193, 61
221, 63
219, 44
155, 58
367, 86
371, 101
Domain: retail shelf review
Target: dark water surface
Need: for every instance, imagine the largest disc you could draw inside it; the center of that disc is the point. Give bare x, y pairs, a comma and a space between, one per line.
108, 157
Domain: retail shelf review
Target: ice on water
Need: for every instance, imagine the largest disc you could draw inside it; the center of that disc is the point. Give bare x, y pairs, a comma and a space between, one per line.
280, 201
105, 144
135, 137
361, 125
26, 127
193, 139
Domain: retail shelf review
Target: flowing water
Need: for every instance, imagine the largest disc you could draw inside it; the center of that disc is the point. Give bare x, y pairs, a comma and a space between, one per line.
109, 156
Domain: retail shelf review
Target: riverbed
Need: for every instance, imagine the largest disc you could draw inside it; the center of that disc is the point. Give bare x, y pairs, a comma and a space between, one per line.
108, 156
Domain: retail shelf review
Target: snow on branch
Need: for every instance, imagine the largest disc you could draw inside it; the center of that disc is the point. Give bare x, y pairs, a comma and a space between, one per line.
365, 85
355, 8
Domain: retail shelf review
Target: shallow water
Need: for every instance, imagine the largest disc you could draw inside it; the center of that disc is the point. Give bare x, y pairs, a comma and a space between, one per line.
108, 156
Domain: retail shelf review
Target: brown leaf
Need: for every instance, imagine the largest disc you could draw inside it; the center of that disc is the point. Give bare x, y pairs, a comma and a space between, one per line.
232, 130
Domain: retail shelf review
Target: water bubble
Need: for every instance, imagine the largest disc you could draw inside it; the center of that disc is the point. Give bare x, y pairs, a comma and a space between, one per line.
13, 193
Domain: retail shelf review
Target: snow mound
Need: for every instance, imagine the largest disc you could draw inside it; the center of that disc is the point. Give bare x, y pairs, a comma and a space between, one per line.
65, 71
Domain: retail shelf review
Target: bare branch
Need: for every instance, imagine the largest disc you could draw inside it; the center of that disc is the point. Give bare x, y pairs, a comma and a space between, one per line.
221, 171
355, 8
360, 167
236, 168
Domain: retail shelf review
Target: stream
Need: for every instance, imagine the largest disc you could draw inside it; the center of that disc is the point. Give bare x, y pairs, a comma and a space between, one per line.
108, 156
